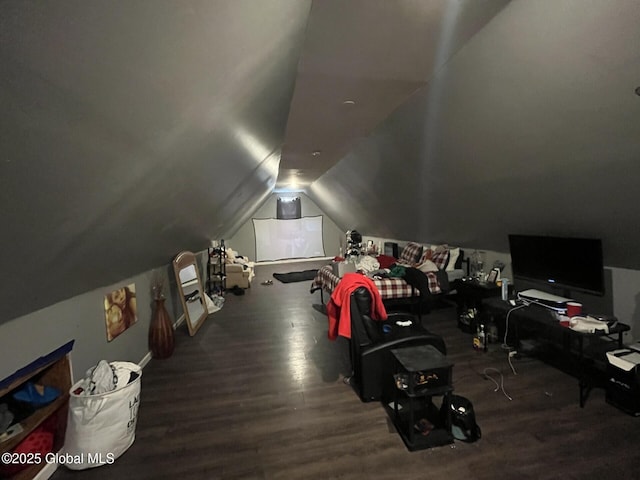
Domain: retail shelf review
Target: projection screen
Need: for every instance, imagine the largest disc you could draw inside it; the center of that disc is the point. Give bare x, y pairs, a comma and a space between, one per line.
284, 239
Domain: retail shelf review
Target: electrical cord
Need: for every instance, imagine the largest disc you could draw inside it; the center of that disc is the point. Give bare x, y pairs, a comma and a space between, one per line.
506, 321
505, 346
512, 354
499, 386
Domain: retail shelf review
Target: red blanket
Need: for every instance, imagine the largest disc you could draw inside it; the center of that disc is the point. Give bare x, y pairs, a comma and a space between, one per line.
339, 306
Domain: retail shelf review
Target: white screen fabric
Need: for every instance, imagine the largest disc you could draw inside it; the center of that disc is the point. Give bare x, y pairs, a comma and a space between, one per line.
284, 239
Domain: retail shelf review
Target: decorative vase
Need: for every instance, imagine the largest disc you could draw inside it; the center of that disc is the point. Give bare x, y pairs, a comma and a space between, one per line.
161, 336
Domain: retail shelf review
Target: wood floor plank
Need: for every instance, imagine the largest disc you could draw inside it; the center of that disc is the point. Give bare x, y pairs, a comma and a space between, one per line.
258, 393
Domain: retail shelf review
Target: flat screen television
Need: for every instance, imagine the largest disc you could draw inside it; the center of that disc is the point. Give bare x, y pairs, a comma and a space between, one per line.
563, 262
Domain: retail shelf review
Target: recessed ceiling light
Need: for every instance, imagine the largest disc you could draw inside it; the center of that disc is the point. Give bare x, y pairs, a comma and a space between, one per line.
348, 102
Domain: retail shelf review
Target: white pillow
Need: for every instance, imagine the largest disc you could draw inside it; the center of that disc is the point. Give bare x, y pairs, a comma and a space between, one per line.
427, 266
454, 253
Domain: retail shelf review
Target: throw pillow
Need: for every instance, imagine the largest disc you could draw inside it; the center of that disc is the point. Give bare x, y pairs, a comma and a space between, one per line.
440, 259
439, 248
410, 254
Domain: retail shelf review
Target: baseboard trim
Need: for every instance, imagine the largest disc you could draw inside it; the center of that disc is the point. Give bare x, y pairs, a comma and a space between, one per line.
146, 359
46, 471
179, 321
293, 260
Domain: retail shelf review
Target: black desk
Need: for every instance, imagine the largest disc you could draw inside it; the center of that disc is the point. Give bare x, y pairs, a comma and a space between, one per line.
577, 353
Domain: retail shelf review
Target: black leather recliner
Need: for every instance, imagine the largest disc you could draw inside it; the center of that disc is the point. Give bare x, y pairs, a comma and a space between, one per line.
372, 342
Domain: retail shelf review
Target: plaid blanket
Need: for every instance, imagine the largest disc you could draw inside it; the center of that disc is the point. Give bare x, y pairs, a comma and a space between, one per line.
389, 287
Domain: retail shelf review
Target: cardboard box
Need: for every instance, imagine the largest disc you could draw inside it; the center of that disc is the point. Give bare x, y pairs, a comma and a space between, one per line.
340, 268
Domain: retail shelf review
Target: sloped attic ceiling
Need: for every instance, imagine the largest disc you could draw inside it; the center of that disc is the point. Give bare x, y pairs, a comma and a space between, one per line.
132, 131
532, 127
361, 60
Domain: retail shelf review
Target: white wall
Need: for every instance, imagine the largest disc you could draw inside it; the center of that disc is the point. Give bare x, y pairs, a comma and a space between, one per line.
81, 318
626, 300
244, 240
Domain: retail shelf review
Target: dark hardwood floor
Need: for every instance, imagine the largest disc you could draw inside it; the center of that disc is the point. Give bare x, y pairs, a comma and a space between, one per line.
258, 393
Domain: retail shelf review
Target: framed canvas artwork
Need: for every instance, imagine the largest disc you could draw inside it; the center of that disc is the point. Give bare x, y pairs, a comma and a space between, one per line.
120, 310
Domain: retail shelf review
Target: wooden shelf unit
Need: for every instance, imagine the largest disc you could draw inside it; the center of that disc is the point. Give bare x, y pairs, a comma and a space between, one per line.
52, 370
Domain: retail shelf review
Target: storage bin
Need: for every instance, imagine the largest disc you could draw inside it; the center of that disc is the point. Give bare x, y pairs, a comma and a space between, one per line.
340, 268
623, 380
100, 428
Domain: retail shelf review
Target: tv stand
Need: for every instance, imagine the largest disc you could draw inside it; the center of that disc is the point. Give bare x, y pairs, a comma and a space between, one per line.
577, 353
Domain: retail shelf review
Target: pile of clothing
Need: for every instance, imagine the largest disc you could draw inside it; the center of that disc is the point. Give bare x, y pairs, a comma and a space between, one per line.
99, 379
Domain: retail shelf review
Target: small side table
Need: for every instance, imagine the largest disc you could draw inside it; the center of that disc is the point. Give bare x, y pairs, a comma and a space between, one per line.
470, 296
422, 373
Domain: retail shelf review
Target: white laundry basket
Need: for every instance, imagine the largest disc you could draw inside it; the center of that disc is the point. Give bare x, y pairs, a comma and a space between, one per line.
102, 427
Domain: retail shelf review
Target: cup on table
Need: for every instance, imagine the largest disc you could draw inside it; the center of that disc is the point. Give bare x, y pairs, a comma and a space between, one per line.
574, 309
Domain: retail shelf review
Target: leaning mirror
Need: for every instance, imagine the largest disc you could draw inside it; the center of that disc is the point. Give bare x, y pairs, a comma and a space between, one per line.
190, 290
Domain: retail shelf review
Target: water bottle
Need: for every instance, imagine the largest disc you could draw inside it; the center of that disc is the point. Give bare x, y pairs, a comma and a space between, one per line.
505, 289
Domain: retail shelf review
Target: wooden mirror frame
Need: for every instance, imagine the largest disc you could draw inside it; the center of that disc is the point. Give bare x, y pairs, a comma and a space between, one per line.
185, 260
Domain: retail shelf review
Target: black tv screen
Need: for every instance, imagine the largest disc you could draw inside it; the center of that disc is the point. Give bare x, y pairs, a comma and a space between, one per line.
563, 262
